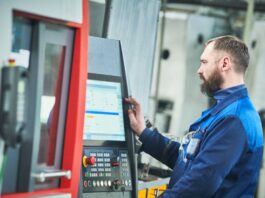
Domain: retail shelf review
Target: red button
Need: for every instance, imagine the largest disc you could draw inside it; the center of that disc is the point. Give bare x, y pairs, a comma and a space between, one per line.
115, 163
90, 160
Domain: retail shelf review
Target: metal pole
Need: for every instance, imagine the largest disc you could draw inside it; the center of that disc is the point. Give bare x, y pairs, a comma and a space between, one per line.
248, 21
161, 43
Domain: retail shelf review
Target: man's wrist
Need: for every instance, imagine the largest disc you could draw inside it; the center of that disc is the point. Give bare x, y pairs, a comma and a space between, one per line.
140, 131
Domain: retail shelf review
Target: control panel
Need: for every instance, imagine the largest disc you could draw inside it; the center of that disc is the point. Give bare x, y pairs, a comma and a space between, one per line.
108, 161
106, 169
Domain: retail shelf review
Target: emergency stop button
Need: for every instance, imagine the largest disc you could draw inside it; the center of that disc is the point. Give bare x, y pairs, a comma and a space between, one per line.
91, 160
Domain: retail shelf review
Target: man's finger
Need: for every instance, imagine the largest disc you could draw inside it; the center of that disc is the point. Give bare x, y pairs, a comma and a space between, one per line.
131, 116
132, 101
136, 105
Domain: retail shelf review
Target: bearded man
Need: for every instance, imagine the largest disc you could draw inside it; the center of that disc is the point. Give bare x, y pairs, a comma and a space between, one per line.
222, 153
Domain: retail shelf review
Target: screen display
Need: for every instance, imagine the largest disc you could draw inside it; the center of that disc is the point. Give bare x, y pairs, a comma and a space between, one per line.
104, 113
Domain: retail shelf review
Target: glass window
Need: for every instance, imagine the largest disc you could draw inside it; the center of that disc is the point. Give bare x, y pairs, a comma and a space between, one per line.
50, 102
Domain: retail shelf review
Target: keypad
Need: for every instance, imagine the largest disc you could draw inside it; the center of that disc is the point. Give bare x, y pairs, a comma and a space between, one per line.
111, 164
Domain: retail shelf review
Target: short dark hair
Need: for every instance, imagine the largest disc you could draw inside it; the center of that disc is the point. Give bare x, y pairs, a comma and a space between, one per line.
236, 48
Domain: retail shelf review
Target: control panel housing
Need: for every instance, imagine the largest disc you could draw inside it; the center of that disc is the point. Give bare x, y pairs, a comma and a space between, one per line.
109, 172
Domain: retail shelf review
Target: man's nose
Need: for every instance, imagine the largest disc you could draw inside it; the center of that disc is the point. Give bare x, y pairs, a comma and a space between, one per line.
199, 71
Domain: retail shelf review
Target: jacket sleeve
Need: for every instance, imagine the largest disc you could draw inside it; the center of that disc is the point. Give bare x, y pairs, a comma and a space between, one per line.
219, 152
159, 147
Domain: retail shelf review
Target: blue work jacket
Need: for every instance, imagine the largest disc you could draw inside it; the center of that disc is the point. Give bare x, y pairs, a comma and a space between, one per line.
222, 154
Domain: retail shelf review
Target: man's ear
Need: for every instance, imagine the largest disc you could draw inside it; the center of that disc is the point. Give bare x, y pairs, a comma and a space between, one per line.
226, 63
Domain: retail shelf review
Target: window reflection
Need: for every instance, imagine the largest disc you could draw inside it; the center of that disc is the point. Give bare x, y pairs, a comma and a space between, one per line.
50, 103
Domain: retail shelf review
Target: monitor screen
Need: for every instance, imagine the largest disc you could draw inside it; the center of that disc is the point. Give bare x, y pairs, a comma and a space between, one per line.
104, 112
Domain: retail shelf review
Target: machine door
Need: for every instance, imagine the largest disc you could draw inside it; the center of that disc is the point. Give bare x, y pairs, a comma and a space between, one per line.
54, 62
39, 156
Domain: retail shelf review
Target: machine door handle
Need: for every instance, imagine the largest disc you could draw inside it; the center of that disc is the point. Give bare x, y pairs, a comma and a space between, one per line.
47, 174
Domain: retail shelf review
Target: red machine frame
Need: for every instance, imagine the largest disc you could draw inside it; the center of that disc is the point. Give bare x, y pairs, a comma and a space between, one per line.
72, 150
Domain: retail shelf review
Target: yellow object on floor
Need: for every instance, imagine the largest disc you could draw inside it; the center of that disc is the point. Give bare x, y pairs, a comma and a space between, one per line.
152, 192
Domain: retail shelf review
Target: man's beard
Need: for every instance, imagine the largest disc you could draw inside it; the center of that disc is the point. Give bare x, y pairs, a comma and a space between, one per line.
213, 84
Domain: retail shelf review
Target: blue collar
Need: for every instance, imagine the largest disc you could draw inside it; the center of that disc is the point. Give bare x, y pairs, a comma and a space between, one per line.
223, 98
227, 96
223, 93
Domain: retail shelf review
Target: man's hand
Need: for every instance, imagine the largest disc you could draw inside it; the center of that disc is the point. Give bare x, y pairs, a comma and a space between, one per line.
136, 116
